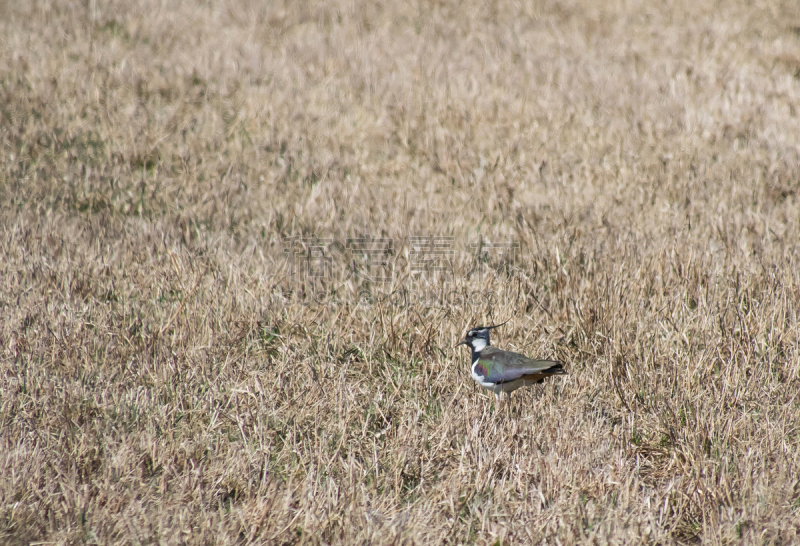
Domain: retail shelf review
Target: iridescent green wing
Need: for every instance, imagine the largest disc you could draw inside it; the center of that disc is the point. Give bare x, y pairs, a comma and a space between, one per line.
498, 366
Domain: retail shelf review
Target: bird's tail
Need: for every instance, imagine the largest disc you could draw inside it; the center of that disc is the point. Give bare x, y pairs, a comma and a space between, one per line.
556, 369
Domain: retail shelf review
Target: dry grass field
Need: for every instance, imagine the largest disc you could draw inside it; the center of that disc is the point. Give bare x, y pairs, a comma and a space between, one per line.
239, 240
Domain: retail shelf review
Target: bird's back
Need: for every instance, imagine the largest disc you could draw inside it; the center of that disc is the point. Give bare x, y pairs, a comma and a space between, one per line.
501, 366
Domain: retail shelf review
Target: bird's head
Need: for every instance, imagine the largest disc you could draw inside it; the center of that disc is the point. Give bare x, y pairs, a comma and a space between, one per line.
478, 338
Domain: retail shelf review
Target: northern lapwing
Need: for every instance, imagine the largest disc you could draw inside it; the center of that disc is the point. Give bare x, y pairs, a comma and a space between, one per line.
504, 371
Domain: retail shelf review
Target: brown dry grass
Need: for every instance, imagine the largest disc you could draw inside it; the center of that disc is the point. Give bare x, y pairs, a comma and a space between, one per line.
165, 379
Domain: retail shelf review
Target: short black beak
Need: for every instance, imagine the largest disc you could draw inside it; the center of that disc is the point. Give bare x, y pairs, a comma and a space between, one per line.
462, 342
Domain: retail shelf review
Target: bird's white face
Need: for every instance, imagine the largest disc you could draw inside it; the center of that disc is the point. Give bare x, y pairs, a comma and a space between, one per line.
478, 344
478, 338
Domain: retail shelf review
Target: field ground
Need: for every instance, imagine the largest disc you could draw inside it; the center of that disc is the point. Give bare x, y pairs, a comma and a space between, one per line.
221, 320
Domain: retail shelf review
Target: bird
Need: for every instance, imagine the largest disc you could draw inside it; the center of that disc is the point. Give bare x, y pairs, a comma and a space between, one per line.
504, 371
